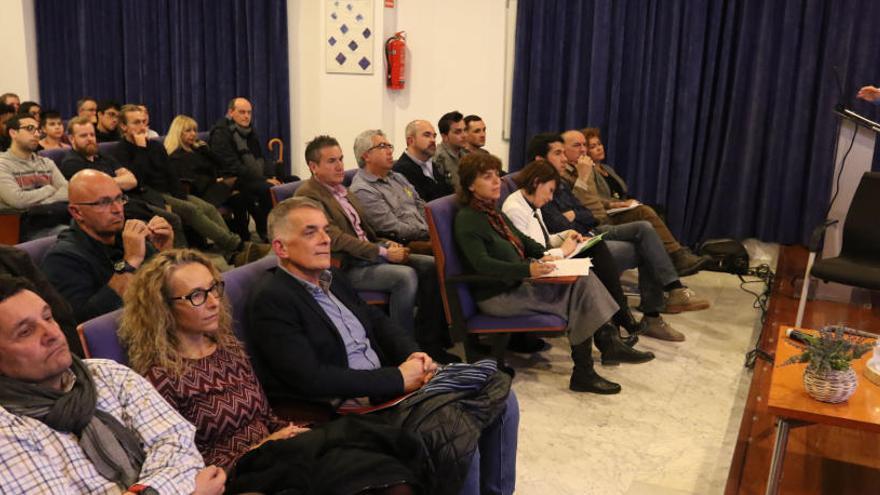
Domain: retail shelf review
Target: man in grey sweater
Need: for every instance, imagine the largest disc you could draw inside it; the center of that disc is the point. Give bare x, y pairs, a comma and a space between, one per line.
31, 182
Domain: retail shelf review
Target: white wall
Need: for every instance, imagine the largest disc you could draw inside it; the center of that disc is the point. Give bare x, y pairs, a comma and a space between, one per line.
455, 61
19, 42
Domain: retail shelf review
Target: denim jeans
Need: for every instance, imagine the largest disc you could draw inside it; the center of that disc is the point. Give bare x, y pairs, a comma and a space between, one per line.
493, 467
637, 245
401, 281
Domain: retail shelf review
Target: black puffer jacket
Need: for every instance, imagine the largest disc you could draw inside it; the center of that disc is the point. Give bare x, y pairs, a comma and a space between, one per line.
347, 456
451, 425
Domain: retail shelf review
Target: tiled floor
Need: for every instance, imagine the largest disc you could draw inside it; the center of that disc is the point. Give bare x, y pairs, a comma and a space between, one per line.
671, 431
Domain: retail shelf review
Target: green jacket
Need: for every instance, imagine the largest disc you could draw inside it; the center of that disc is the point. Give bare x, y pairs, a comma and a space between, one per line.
485, 252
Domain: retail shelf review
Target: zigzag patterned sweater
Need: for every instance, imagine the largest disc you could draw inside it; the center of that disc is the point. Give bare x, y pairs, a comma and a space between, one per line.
220, 395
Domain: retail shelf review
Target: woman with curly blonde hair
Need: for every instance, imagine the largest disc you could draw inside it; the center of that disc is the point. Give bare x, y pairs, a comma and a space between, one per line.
177, 327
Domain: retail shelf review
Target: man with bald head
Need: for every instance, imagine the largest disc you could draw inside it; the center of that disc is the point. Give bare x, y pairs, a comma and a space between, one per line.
236, 143
579, 172
93, 260
416, 163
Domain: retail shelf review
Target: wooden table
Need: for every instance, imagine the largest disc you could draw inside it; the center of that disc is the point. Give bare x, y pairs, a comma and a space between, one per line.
794, 407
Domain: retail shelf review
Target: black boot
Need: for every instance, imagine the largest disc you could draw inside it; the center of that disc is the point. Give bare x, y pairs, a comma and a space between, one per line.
615, 351
627, 321
584, 378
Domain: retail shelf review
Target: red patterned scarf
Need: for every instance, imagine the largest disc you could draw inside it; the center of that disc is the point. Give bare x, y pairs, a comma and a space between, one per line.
498, 224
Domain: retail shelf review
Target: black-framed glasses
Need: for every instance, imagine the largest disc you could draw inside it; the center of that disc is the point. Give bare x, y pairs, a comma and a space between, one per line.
199, 296
28, 128
105, 203
382, 146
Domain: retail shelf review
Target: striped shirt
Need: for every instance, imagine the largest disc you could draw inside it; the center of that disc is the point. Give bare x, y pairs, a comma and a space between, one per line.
34, 458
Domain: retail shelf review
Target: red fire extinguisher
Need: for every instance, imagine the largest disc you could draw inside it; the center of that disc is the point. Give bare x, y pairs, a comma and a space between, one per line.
395, 61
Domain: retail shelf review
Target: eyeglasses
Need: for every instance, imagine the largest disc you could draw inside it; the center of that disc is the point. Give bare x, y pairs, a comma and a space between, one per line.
200, 296
29, 128
382, 146
105, 203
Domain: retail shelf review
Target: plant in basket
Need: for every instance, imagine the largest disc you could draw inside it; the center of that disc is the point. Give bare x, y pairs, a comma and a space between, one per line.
829, 376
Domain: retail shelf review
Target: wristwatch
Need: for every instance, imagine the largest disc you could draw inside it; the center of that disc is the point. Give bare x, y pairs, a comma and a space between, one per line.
123, 266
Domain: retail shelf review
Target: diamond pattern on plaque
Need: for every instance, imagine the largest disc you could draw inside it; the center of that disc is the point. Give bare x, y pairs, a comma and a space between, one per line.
349, 24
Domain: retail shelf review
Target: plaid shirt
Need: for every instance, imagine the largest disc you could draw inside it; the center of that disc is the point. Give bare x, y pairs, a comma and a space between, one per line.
37, 459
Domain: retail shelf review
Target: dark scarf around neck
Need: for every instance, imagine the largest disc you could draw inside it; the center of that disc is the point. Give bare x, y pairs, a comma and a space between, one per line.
114, 449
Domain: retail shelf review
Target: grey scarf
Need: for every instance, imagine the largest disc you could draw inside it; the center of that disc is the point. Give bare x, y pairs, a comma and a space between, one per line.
240, 136
114, 449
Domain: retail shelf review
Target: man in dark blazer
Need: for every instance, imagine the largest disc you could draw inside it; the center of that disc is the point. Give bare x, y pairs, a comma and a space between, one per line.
431, 180
371, 263
310, 335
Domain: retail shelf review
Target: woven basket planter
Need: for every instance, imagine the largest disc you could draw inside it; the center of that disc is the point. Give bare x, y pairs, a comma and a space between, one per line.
830, 386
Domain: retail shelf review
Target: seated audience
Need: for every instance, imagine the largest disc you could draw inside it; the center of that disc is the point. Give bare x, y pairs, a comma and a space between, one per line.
12, 100
579, 169
491, 246
83, 426
185, 347
199, 167
143, 203
475, 134
391, 205
6, 113
17, 263
537, 182
53, 131
311, 336
235, 141
31, 108
32, 182
150, 165
452, 148
633, 245
87, 107
93, 260
371, 263
108, 121
416, 162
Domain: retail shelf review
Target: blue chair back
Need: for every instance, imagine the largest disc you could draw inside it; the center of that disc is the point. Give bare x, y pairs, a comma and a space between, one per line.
239, 282
100, 340
56, 155
508, 187
284, 191
440, 216
38, 248
349, 176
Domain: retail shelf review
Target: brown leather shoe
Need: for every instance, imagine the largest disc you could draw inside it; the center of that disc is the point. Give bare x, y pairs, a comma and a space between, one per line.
657, 328
684, 299
687, 263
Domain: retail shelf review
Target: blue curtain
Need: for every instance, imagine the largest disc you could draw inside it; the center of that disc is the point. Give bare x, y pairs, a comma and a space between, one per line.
175, 56
721, 110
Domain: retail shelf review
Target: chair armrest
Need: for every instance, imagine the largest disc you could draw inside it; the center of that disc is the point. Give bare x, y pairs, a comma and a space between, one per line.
819, 235
10, 226
470, 278
345, 410
562, 280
